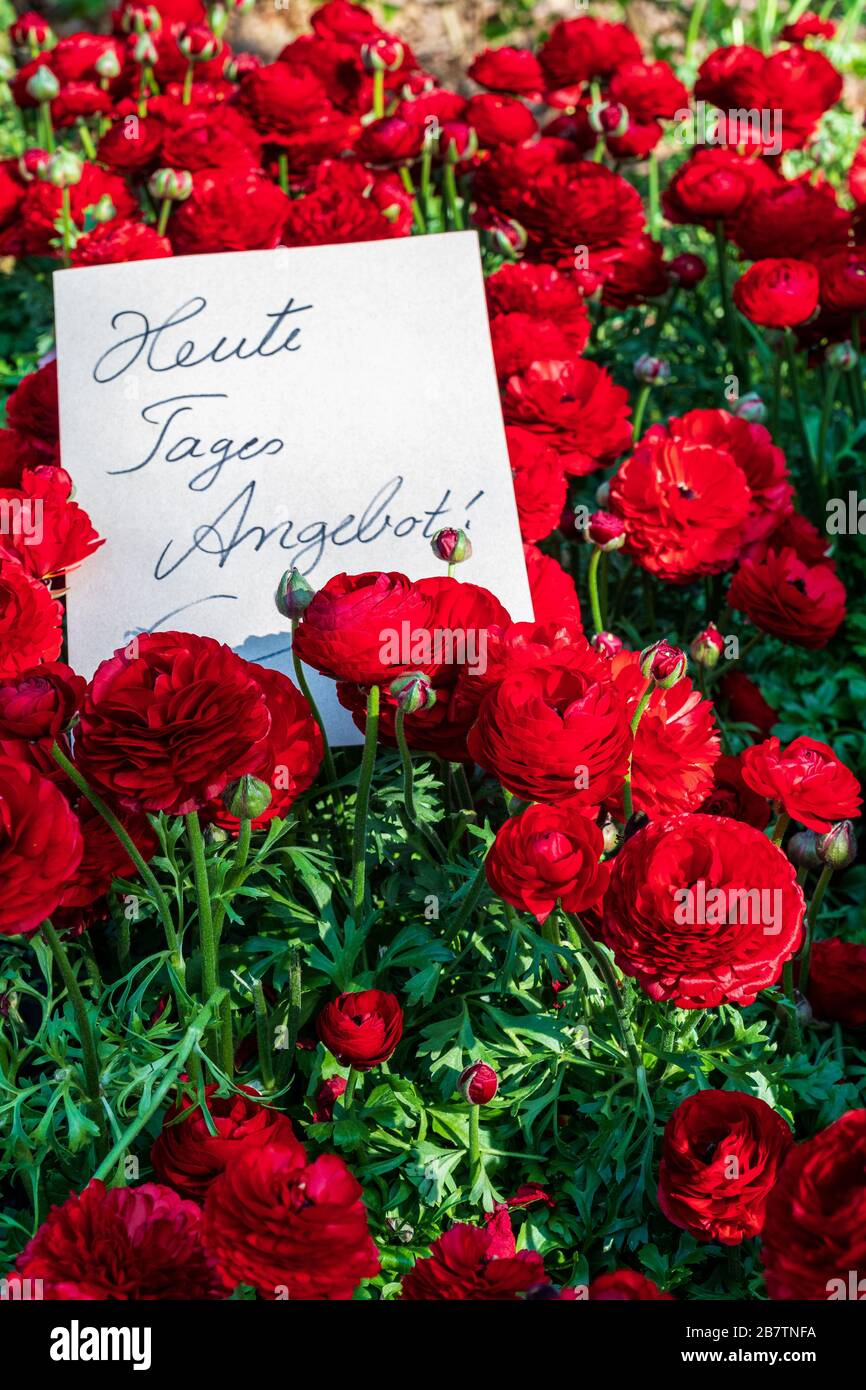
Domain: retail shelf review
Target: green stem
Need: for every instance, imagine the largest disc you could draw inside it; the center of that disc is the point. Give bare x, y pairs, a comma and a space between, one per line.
653, 196
475, 1169
857, 374
193, 1035
85, 1032
826, 416
732, 332
811, 918
417, 214
628, 802
351, 1083
695, 21
303, 684
592, 580
378, 93
362, 802
263, 1040
640, 410
164, 212
452, 205
187, 85
207, 935
283, 168
406, 760
782, 821
86, 141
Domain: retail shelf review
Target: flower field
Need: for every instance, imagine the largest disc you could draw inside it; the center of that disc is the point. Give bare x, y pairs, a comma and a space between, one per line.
553, 988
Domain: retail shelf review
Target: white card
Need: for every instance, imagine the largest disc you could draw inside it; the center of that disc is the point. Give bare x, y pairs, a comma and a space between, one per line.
225, 417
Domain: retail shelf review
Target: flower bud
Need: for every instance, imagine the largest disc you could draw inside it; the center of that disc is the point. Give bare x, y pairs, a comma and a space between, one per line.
107, 64
608, 118
141, 19
838, 848
750, 408
64, 169
175, 184
32, 31
294, 595
103, 210
511, 236
663, 663
33, 164
452, 545
457, 141
478, 1083
7, 68
142, 50
215, 835
802, 849
843, 356
606, 644
651, 371
382, 55
197, 43
707, 647
611, 833
42, 86
687, 270
605, 531
247, 798
413, 692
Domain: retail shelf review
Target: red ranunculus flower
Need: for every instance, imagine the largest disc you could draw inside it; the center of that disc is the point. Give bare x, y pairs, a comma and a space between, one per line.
188, 1157
508, 70
540, 290
122, 1243
40, 702
30, 620
114, 241
31, 410
797, 218
805, 780
170, 720
648, 91
465, 1264
778, 293
43, 205
40, 846
837, 982
345, 201
236, 210
362, 1028
282, 1224
520, 338
557, 735
580, 49
500, 120
800, 603
684, 505
546, 854
702, 910
714, 185
732, 796
575, 407
54, 534
292, 753
359, 627
626, 1286
753, 451
720, 1156
843, 281
676, 745
814, 1241
452, 645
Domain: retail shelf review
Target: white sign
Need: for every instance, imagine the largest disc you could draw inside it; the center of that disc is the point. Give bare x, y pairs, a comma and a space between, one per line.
226, 417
